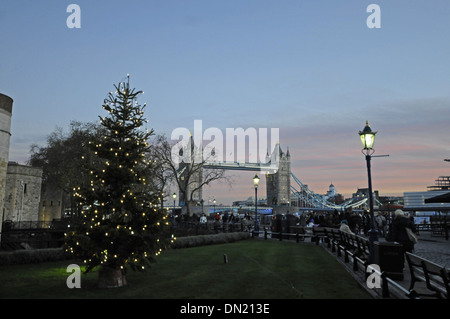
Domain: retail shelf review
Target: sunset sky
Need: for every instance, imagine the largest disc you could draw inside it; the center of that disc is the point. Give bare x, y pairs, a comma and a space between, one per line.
313, 69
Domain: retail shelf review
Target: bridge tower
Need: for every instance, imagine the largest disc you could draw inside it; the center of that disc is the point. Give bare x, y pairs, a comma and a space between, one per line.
278, 183
191, 176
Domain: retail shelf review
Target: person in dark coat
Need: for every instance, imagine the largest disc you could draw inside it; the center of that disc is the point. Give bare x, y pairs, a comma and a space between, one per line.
399, 225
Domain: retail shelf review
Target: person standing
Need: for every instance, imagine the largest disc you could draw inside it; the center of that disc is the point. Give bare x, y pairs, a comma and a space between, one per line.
380, 222
399, 232
344, 227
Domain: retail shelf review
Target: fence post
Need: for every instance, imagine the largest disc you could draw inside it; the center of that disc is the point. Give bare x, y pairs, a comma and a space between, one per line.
385, 288
355, 263
366, 264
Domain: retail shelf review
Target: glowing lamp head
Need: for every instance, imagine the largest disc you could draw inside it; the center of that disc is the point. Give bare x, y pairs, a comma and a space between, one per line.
367, 137
256, 181
174, 196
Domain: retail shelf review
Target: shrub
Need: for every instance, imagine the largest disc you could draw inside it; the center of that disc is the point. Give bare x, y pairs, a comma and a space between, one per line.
31, 256
54, 254
202, 240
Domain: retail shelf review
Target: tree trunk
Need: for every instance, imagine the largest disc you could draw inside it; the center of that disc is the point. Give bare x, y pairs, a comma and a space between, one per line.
111, 278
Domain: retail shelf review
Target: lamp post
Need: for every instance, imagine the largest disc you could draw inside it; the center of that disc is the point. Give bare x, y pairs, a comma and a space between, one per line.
255, 183
368, 139
173, 210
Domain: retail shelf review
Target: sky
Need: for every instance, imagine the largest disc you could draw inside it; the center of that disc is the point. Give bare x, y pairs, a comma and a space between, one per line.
312, 69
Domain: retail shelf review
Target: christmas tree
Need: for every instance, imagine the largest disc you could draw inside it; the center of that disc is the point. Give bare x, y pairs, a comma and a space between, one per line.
121, 223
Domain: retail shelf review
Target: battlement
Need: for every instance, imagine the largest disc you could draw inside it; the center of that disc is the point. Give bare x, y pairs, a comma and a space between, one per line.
6, 103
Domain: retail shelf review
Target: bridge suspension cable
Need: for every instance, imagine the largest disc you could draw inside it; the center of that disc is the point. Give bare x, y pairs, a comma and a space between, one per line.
318, 201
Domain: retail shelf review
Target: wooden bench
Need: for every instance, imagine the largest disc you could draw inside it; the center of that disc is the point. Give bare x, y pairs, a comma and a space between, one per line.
338, 241
352, 242
334, 237
319, 233
363, 246
436, 277
300, 232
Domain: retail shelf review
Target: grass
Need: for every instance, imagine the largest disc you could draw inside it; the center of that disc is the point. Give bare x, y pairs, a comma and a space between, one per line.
255, 269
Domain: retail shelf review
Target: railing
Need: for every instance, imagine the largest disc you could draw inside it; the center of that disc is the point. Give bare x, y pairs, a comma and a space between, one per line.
26, 225
32, 234
268, 234
192, 228
31, 239
34, 225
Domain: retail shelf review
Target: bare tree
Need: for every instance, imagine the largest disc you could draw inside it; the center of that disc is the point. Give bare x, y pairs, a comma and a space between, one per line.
162, 174
188, 173
62, 158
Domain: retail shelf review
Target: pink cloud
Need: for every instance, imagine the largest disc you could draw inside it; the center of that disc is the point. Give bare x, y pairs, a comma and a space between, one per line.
326, 149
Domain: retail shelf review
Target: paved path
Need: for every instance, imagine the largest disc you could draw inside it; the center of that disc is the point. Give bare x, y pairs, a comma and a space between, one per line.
433, 248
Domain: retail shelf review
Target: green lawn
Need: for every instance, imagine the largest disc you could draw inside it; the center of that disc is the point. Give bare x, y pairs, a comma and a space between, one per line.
255, 269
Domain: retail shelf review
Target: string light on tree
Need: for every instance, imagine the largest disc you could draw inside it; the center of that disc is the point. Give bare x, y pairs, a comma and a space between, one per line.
118, 227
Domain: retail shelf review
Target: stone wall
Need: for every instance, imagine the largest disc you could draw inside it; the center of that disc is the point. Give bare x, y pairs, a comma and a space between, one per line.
53, 203
22, 193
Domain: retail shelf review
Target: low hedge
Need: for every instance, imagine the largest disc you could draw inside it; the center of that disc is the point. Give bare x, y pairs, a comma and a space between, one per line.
31, 256
54, 254
202, 240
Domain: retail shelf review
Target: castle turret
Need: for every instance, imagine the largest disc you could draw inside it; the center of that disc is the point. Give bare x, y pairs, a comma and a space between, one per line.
5, 133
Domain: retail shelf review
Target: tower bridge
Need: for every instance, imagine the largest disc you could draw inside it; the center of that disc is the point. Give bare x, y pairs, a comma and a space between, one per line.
241, 166
277, 170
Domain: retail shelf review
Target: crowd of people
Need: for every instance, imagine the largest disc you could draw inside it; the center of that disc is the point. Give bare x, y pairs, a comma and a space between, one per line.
355, 222
399, 227
224, 217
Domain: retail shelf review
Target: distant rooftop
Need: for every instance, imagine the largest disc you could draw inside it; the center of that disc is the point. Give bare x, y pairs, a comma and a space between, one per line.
442, 183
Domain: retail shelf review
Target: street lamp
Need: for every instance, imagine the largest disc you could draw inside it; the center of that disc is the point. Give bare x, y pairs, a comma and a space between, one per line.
173, 211
255, 183
368, 139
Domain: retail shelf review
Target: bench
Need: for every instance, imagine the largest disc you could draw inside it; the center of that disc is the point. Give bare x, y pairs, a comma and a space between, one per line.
300, 232
436, 277
334, 237
319, 233
356, 244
